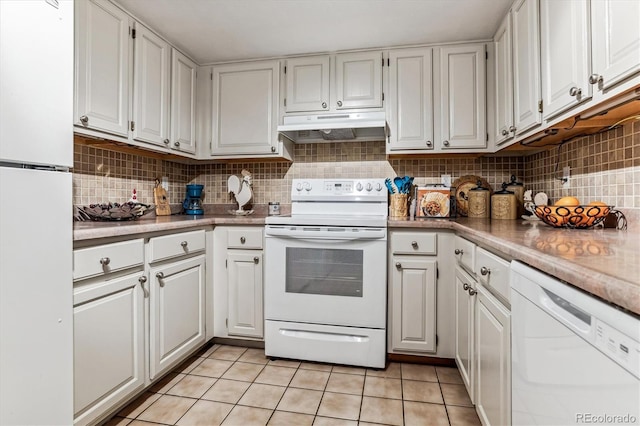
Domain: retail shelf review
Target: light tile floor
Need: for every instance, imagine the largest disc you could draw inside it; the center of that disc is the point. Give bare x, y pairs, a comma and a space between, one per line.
232, 385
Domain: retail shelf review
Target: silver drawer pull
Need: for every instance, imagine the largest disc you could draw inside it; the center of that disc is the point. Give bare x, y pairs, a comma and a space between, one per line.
256, 260
184, 244
465, 287
458, 251
398, 265
414, 244
485, 271
84, 119
243, 240
472, 292
105, 261
142, 280
160, 275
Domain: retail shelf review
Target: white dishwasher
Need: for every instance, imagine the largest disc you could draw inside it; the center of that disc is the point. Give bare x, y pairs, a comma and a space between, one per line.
574, 358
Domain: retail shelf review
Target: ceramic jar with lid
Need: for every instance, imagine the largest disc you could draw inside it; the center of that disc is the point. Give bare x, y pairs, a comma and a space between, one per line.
518, 189
479, 201
504, 204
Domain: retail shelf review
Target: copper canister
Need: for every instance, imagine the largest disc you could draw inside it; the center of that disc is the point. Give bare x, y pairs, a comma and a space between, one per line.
518, 190
504, 204
479, 201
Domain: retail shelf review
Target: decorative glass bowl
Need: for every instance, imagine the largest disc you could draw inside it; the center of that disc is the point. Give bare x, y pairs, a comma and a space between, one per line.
116, 211
579, 217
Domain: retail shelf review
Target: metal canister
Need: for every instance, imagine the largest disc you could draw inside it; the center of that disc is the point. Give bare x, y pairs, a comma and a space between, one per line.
504, 204
274, 208
479, 201
518, 189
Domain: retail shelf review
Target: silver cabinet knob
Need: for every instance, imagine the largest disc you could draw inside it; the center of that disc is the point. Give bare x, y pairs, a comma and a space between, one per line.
184, 244
398, 265
595, 78
256, 260
105, 261
465, 287
485, 271
142, 280
160, 275
472, 292
414, 244
339, 103
176, 144
429, 143
84, 119
445, 143
243, 240
575, 91
504, 132
458, 251
512, 129
324, 105
273, 149
166, 141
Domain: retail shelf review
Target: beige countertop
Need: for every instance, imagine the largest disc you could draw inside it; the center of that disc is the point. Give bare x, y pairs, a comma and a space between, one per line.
603, 262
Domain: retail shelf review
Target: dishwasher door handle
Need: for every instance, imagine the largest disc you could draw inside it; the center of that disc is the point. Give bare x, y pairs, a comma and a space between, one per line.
565, 312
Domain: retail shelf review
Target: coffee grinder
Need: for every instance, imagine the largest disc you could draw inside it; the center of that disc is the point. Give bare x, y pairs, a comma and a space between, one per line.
193, 203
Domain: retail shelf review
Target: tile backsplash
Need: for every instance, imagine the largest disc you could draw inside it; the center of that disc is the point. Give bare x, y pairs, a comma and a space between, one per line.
604, 167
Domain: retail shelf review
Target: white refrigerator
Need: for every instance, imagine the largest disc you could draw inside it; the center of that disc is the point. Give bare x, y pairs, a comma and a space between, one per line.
36, 240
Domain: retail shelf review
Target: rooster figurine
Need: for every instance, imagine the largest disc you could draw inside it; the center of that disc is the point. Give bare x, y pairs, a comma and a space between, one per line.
242, 190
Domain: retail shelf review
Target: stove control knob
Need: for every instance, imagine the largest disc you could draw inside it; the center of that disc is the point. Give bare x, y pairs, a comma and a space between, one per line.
359, 187
307, 186
378, 187
369, 187
299, 187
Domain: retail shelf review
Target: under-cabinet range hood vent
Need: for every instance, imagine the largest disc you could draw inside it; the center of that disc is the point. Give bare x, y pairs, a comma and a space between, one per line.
358, 127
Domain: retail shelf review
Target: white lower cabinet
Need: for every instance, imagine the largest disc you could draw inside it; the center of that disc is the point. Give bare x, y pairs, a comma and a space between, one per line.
465, 290
493, 355
176, 312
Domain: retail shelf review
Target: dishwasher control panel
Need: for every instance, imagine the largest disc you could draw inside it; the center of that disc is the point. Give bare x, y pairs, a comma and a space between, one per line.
619, 347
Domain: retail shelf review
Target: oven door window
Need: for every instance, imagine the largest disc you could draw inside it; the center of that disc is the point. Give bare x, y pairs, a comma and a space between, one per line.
332, 272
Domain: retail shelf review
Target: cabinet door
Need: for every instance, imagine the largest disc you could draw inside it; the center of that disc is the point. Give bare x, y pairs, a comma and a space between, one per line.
246, 316
565, 54
108, 346
151, 88
358, 80
465, 306
307, 84
411, 99
102, 67
504, 83
183, 103
615, 40
526, 65
414, 304
462, 95
177, 316
245, 108
493, 351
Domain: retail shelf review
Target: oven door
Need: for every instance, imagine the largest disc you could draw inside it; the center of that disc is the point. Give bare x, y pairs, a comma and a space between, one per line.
326, 275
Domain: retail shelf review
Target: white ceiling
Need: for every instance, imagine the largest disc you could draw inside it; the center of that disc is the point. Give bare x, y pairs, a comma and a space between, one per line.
227, 30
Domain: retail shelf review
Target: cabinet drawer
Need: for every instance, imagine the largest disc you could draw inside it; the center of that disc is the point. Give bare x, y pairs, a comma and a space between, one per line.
245, 238
493, 272
107, 258
414, 243
174, 245
465, 253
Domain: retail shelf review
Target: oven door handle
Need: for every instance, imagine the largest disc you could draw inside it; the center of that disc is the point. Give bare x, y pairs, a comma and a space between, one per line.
325, 233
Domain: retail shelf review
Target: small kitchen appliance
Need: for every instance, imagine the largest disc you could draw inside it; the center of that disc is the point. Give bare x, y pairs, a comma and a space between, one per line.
193, 203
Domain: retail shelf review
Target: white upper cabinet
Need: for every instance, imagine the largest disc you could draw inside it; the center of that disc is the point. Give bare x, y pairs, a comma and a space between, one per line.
463, 97
307, 83
102, 67
151, 88
410, 106
615, 41
526, 65
504, 128
245, 108
358, 80
566, 56
183, 103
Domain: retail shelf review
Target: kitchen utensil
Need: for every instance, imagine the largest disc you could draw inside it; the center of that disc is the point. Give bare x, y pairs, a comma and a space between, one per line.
192, 204
479, 201
161, 199
461, 187
518, 189
387, 182
504, 204
398, 181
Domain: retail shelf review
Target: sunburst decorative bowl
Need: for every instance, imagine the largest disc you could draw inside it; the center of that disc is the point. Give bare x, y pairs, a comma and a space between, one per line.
576, 217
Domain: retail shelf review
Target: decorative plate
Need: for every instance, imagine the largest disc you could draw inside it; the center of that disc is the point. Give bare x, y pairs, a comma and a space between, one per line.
461, 186
115, 211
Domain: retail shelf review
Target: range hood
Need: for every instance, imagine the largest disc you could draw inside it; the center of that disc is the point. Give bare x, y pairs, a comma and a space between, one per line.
357, 126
